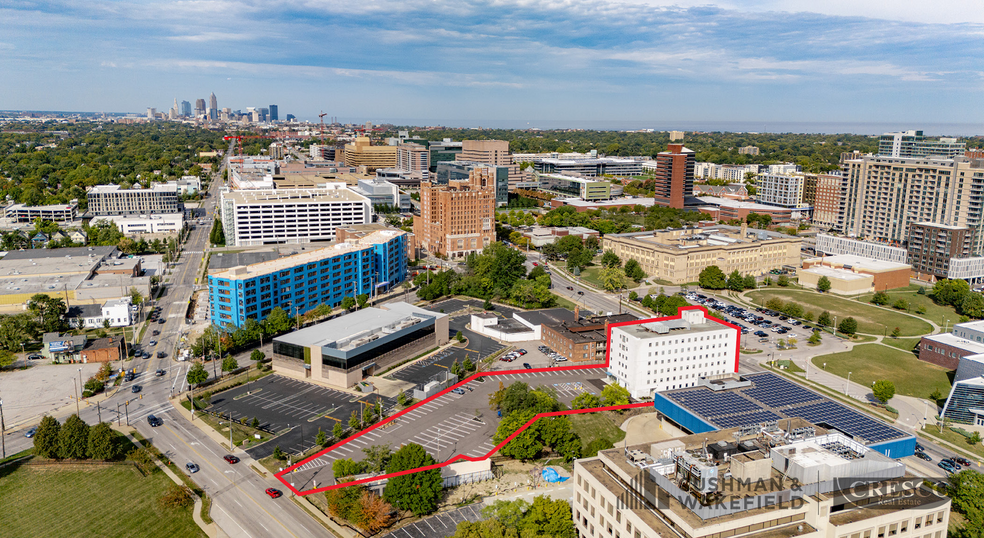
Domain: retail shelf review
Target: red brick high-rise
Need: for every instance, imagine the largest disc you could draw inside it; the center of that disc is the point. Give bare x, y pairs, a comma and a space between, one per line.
674, 176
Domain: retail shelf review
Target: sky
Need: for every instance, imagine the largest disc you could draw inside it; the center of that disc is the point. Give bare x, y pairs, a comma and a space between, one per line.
547, 61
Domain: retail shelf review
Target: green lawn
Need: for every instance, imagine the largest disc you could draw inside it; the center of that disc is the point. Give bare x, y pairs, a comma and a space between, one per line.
564, 302
591, 426
905, 344
934, 312
871, 320
872, 362
98, 501
592, 275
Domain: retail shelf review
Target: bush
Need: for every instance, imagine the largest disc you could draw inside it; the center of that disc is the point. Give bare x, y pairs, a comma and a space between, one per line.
901, 304
175, 497
848, 326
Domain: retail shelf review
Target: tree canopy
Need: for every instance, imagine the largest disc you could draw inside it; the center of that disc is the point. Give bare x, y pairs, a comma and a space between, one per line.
417, 492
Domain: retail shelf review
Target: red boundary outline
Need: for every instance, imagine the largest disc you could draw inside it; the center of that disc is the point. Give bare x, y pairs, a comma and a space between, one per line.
282, 474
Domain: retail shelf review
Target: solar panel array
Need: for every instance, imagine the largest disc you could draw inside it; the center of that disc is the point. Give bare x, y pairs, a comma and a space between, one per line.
745, 419
846, 420
780, 399
708, 403
775, 391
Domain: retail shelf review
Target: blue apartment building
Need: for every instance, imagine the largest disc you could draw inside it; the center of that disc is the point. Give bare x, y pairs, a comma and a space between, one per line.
301, 282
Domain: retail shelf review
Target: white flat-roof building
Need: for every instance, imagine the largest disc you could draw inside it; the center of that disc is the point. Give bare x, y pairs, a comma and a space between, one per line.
55, 212
113, 200
145, 224
270, 216
671, 353
117, 311
834, 245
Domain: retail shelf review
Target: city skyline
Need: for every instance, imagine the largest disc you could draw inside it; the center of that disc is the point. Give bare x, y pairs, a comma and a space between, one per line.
574, 61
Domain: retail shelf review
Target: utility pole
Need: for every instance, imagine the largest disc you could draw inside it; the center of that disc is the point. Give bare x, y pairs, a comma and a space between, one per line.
77, 412
99, 412
119, 416
3, 431
126, 407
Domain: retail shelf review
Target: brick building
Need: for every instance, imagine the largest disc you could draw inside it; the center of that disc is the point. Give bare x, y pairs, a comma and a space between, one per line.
583, 340
827, 201
103, 350
457, 219
947, 349
932, 246
674, 176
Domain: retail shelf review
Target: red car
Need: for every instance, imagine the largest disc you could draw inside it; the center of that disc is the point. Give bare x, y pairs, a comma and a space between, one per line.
534, 265
273, 493
230, 458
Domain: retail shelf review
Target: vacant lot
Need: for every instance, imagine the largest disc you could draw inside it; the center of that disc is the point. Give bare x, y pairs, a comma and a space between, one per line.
592, 426
873, 362
871, 320
934, 312
89, 501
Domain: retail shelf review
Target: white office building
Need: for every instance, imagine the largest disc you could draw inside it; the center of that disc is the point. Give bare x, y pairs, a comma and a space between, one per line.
271, 216
784, 190
114, 200
671, 353
166, 223
833, 245
118, 312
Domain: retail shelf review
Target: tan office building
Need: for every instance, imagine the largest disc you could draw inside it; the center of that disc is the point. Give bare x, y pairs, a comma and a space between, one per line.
679, 255
732, 483
494, 152
363, 153
458, 218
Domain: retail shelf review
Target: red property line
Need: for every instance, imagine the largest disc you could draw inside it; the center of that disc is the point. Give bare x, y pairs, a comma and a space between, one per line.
282, 475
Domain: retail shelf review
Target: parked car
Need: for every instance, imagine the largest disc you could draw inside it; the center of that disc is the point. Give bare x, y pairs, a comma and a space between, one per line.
923, 456
761, 334
230, 459
30, 433
962, 461
273, 493
458, 391
946, 467
34, 357
560, 359
920, 447
192, 468
527, 366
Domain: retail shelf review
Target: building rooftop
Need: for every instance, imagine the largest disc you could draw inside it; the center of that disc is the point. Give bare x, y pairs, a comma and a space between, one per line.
840, 274
344, 332
577, 202
154, 187
950, 339
40, 253
738, 204
589, 329
278, 264
849, 261
941, 226
551, 315
332, 192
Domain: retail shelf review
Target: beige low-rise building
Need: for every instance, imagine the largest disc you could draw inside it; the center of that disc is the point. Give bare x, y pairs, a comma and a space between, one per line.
361, 152
679, 255
345, 350
753, 482
850, 275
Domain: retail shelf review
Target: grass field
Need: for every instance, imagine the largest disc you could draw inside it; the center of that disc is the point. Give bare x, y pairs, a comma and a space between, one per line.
871, 320
591, 426
905, 344
564, 302
84, 502
934, 312
872, 362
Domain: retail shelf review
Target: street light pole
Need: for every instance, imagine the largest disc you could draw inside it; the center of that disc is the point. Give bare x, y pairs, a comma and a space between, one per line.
848, 384
3, 431
77, 411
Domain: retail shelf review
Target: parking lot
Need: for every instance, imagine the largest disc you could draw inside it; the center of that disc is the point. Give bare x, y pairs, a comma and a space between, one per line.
441, 525
762, 324
300, 409
450, 424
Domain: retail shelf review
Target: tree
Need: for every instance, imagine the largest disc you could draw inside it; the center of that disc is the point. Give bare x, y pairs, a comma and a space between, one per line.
750, 282
47, 437
614, 394
525, 446
456, 368
579, 258
321, 439
459, 336
401, 399
966, 491
975, 438
883, 390
197, 374
783, 280
896, 332
610, 259
256, 423
467, 365
342, 501
880, 298
634, 271
276, 322
417, 492
612, 278
73, 439
973, 306
774, 303
229, 364
586, 400
901, 304
371, 513
548, 517
346, 467
103, 442
48, 312
362, 299
736, 282
792, 309
337, 431
354, 421
348, 303
257, 355
950, 292
712, 278
377, 458
824, 319
814, 338
848, 326
823, 284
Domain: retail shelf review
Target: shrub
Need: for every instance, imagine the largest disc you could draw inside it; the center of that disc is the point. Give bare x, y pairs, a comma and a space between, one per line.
175, 497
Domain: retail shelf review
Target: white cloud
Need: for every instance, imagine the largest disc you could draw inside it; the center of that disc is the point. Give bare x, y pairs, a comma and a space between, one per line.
213, 36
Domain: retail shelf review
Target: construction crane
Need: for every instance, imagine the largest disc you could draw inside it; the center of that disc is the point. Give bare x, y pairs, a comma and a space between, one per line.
322, 117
